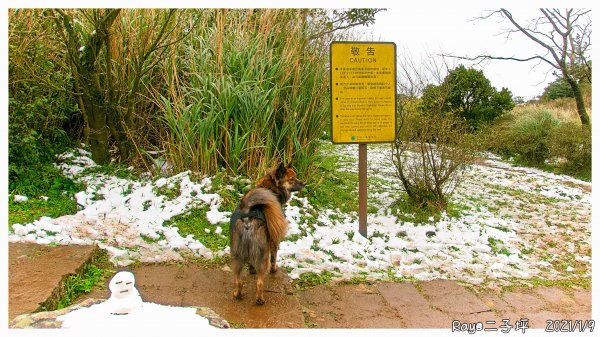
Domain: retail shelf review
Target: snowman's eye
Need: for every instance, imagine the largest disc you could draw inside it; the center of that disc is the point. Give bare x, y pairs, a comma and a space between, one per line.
119, 282
128, 283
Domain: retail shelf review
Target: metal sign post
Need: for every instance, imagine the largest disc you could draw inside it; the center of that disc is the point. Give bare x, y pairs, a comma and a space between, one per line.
363, 102
362, 189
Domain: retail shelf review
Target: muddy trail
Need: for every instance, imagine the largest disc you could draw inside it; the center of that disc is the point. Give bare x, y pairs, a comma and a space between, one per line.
34, 272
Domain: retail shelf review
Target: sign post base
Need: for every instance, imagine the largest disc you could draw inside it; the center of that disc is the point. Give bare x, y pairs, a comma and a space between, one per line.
362, 189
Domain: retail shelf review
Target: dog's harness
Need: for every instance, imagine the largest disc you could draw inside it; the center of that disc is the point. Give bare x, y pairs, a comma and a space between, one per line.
254, 213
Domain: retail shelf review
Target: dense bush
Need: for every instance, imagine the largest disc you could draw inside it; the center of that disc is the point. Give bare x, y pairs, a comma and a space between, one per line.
529, 137
40, 104
468, 94
537, 137
571, 145
206, 89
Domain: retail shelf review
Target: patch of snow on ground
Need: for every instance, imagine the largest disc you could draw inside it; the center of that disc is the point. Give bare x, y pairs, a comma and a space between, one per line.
148, 316
125, 217
20, 198
499, 235
513, 222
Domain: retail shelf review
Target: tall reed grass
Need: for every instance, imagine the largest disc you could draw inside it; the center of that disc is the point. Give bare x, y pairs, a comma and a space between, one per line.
246, 90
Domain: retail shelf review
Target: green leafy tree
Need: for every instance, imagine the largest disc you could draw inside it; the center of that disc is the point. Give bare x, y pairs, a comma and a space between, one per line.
560, 88
467, 93
336, 20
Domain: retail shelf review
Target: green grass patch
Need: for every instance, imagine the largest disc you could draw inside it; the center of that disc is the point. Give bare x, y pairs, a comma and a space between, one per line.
378, 234
195, 223
151, 240
113, 169
502, 228
293, 237
391, 276
568, 283
42, 180
527, 251
230, 189
583, 172
361, 278
212, 263
170, 191
93, 275
457, 210
406, 211
332, 188
26, 212
127, 191
495, 245
82, 284
310, 280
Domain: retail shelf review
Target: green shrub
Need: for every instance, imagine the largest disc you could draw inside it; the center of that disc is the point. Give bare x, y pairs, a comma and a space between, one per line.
530, 137
560, 88
571, 145
41, 179
39, 104
525, 137
538, 137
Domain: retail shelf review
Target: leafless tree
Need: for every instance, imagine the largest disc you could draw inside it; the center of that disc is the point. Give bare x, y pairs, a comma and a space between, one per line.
414, 76
431, 149
565, 38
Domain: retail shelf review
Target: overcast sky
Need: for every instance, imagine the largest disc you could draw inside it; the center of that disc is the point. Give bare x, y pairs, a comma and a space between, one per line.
421, 28
425, 31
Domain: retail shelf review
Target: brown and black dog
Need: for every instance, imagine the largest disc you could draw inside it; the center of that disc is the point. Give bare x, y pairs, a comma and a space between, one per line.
258, 225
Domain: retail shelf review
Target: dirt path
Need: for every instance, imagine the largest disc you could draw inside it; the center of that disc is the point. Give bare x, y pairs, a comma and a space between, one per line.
433, 304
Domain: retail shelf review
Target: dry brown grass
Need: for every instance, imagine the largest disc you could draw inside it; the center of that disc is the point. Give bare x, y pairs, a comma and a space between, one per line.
564, 109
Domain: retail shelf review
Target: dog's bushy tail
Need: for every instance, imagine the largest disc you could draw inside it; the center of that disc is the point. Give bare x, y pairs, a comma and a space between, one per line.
276, 222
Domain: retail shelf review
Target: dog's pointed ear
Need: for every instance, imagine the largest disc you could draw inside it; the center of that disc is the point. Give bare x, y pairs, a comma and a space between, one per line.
281, 171
289, 165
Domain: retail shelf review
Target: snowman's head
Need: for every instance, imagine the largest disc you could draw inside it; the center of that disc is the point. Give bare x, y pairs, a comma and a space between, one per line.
122, 285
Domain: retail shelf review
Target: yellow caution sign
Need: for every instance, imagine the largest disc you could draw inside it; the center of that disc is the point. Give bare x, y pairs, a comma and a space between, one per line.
363, 92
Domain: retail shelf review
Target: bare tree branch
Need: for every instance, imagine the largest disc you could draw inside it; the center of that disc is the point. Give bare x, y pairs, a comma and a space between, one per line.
491, 57
566, 39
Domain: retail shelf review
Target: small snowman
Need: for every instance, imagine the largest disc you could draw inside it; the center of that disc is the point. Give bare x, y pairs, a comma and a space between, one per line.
124, 297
